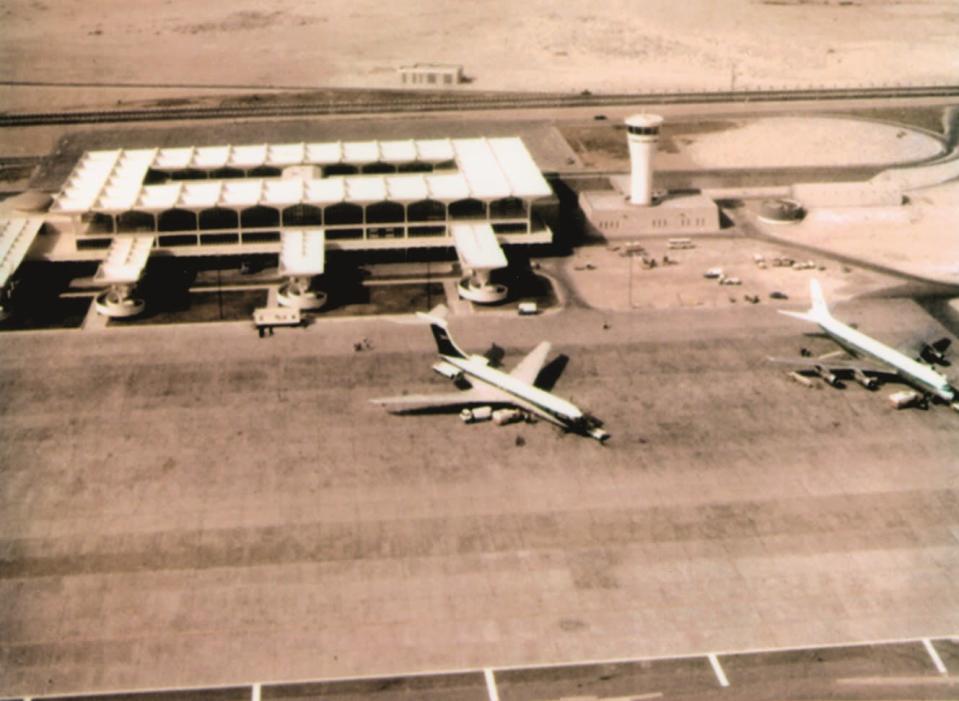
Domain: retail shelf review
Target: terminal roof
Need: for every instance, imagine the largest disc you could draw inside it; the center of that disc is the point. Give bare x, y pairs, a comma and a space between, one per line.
485, 169
477, 247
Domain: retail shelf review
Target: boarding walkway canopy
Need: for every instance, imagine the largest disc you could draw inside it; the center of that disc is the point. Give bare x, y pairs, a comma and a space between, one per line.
121, 270
302, 253
125, 260
445, 170
477, 247
302, 257
16, 237
479, 253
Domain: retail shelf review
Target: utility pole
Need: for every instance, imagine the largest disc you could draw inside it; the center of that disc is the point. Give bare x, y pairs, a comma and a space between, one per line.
219, 286
429, 285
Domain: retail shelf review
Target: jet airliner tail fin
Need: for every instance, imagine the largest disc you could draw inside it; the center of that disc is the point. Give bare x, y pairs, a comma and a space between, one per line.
437, 321
819, 311
819, 307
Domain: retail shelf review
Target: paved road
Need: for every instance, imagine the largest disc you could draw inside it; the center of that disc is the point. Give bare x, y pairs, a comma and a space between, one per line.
194, 506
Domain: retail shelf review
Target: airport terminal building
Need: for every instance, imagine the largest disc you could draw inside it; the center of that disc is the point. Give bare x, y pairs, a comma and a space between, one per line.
366, 195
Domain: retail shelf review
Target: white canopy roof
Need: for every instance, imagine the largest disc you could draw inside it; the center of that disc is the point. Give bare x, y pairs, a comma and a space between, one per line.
287, 154
477, 247
366, 190
481, 169
486, 169
196, 195
361, 152
302, 253
16, 237
284, 192
398, 151
407, 188
125, 260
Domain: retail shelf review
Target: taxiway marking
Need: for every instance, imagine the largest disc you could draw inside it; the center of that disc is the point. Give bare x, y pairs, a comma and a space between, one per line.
894, 681
717, 669
936, 660
489, 672
491, 689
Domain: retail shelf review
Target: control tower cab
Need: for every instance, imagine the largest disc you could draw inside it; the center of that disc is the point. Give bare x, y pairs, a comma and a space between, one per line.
643, 135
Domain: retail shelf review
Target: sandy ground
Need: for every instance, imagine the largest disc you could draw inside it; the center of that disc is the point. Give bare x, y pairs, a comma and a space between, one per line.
791, 142
536, 45
764, 142
919, 238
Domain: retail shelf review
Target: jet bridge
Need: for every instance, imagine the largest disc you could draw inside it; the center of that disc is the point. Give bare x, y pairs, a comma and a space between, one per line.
302, 258
479, 253
121, 270
16, 237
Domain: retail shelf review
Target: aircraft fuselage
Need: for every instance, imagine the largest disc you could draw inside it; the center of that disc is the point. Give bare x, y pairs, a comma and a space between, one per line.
545, 405
915, 373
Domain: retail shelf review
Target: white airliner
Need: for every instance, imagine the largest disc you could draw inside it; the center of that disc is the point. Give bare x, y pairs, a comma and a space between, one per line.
489, 387
870, 358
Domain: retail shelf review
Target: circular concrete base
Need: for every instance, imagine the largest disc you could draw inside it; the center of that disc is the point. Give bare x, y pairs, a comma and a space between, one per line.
781, 211
293, 297
115, 307
489, 293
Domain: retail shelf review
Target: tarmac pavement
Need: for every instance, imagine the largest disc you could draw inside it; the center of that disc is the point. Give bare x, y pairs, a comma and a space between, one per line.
191, 505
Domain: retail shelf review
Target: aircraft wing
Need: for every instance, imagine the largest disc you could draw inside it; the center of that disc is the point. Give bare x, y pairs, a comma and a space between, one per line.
528, 369
476, 395
835, 364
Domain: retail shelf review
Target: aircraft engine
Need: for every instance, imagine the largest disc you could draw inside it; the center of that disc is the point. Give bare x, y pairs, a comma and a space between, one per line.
828, 377
933, 353
449, 371
864, 379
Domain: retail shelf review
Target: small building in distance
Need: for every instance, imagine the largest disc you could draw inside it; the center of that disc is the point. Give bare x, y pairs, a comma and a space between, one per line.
429, 75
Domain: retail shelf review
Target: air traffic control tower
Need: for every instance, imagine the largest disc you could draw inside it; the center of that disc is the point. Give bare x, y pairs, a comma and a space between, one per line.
631, 207
642, 134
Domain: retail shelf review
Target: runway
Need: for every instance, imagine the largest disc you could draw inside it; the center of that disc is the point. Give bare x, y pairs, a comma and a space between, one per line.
193, 506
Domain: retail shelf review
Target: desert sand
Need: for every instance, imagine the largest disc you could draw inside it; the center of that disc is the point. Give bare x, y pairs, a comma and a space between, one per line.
537, 45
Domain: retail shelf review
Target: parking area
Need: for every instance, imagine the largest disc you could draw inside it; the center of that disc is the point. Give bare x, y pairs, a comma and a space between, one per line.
711, 272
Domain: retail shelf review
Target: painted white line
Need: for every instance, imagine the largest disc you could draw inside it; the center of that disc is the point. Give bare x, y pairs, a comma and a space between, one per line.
936, 660
718, 670
895, 681
491, 689
450, 670
256, 692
